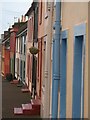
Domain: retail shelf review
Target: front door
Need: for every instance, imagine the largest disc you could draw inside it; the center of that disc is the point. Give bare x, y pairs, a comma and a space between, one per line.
77, 78
63, 58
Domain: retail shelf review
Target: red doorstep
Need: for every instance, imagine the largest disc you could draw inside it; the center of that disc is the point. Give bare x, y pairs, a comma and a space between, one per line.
14, 82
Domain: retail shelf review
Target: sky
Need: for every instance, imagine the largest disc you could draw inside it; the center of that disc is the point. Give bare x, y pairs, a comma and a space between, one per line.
10, 11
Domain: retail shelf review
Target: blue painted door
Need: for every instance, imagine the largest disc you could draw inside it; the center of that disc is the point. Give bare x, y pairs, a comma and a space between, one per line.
77, 77
63, 54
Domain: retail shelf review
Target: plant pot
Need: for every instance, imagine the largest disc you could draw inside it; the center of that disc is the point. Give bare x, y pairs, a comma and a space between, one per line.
33, 50
9, 76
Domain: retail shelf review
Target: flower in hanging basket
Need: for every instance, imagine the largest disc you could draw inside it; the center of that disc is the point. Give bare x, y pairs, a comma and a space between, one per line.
33, 50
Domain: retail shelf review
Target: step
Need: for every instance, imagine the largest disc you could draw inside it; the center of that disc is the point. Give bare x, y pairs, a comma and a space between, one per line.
31, 112
14, 82
28, 110
36, 101
19, 85
27, 106
36, 104
24, 90
18, 111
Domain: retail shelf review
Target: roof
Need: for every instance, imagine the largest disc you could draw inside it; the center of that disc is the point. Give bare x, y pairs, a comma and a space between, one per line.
6, 35
18, 24
33, 5
22, 28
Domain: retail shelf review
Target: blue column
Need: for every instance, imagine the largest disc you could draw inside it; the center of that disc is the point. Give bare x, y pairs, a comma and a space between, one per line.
56, 62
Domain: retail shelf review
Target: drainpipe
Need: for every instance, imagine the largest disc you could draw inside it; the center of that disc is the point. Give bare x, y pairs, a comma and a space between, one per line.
56, 61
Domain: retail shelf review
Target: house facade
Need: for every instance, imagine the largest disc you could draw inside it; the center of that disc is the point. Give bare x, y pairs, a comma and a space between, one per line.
31, 60
20, 56
41, 36
45, 55
73, 83
5, 56
8, 50
13, 32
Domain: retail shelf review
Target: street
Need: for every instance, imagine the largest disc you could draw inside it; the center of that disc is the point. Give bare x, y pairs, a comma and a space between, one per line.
12, 96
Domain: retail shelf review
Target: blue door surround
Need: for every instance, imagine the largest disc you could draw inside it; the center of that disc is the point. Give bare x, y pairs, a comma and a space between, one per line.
78, 87
63, 60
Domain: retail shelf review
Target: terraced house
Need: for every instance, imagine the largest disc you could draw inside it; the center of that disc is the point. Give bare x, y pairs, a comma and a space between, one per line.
72, 97
5, 55
8, 50
31, 59
20, 56
45, 33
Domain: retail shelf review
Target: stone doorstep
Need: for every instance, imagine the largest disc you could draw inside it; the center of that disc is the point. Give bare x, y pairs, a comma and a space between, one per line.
25, 90
26, 110
27, 106
18, 111
29, 110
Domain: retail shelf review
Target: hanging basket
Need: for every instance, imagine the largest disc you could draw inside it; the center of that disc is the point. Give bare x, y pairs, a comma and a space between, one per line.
33, 50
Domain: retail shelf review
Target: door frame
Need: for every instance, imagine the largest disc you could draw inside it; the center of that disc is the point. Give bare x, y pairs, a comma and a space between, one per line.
80, 30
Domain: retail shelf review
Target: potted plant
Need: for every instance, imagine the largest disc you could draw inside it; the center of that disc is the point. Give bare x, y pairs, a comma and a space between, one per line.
9, 76
33, 50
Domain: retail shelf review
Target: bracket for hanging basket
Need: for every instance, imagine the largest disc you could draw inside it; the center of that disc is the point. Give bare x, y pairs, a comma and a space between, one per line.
33, 50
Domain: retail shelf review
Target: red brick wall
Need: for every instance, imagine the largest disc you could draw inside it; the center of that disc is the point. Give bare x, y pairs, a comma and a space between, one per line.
12, 41
7, 61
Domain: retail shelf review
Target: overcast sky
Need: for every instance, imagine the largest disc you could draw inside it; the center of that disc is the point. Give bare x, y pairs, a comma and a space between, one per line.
11, 11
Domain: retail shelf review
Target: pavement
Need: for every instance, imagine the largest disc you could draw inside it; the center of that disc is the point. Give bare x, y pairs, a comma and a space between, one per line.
12, 96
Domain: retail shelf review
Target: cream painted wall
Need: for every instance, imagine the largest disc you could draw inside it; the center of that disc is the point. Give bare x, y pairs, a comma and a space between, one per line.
88, 64
28, 45
73, 14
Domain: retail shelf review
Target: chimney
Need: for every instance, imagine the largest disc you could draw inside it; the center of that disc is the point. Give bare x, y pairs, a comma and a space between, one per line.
22, 18
18, 20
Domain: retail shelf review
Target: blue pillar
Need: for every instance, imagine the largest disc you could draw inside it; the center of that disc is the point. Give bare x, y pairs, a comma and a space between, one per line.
56, 62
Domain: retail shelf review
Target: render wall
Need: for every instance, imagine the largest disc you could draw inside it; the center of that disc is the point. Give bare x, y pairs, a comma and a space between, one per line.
74, 14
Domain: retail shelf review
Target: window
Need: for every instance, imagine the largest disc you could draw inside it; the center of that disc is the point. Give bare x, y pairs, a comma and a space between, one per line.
24, 70
21, 69
24, 44
21, 45
17, 45
54, 2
